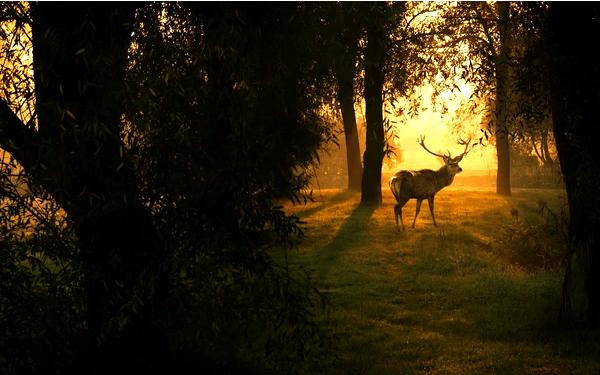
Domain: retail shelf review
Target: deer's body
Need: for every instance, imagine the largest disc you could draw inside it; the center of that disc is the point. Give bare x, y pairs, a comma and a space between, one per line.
420, 184
423, 184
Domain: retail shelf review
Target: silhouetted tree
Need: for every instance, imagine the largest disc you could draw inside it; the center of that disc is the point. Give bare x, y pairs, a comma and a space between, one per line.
502, 97
575, 84
378, 40
346, 33
485, 29
532, 85
76, 154
167, 156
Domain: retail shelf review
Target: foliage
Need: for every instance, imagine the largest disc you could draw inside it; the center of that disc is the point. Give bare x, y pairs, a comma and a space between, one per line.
222, 119
41, 299
539, 245
461, 46
227, 122
16, 77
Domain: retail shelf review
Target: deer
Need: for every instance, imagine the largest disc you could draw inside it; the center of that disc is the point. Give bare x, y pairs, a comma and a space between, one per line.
425, 183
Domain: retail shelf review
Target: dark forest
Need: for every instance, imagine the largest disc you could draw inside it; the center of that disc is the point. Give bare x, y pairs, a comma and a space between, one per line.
199, 187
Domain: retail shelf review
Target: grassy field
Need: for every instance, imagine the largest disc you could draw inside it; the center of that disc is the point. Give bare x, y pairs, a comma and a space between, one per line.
441, 300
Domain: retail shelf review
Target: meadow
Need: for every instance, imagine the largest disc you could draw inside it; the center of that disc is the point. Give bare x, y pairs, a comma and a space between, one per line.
478, 294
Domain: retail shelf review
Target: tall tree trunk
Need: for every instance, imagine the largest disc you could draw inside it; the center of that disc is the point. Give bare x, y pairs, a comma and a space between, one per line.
345, 69
575, 84
374, 78
501, 111
80, 56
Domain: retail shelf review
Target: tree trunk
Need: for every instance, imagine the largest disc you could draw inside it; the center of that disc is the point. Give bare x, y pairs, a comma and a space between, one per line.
501, 111
80, 56
575, 83
345, 69
374, 79
547, 159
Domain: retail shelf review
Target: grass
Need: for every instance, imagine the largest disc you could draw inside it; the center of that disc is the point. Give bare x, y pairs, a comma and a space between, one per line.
438, 300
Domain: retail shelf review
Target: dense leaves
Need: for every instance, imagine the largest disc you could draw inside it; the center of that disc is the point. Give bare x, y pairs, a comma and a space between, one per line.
236, 97
221, 119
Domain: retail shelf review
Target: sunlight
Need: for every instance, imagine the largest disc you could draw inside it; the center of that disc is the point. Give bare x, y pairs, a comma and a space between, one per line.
16, 68
441, 130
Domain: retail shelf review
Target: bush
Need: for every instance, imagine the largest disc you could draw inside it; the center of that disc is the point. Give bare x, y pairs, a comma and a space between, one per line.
539, 245
41, 300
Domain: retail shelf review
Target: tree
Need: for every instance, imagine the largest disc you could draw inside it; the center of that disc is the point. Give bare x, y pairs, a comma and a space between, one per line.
475, 43
167, 163
77, 156
502, 97
575, 83
531, 103
226, 103
346, 55
378, 40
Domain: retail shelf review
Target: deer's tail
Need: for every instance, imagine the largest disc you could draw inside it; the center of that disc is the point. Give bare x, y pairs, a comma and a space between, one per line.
395, 185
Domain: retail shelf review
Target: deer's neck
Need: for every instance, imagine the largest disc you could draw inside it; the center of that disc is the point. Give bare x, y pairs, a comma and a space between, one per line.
444, 177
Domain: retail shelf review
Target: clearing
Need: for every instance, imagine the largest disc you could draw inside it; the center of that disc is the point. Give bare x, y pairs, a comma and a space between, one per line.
451, 299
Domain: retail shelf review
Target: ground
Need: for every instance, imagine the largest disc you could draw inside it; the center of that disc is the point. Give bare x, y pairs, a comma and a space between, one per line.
451, 299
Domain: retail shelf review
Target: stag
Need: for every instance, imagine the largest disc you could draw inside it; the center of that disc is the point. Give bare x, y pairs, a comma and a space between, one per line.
425, 183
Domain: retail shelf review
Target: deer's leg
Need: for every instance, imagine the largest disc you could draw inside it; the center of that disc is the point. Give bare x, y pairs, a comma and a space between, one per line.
419, 201
398, 212
430, 201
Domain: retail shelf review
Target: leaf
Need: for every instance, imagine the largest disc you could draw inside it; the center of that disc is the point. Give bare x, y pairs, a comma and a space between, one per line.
70, 114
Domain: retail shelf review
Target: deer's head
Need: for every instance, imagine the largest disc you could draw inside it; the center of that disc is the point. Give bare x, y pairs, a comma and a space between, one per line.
450, 163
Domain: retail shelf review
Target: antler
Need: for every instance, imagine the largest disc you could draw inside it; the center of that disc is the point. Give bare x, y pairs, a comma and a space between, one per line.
467, 143
421, 141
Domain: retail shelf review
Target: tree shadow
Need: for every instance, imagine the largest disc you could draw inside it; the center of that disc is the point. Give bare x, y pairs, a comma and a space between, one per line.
353, 232
339, 197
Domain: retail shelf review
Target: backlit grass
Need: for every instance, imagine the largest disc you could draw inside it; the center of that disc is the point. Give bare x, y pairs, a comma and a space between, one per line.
440, 299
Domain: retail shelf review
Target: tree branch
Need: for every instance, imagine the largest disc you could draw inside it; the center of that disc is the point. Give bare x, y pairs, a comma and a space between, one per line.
486, 30
537, 152
16, 137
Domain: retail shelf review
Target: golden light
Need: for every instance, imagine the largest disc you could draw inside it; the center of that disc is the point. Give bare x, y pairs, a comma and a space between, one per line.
441, 130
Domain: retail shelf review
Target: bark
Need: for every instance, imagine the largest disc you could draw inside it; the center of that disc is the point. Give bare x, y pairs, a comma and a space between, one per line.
80, 56
502, 82
374, 78
345, 70
575, 83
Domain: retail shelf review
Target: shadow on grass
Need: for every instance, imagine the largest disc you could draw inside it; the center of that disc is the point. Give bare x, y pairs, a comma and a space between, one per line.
339, 197
353, 232
476, 302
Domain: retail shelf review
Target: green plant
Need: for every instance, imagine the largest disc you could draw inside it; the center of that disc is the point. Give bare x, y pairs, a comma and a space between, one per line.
539, 245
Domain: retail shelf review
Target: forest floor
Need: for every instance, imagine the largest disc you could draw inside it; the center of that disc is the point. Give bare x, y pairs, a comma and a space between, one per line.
478, 294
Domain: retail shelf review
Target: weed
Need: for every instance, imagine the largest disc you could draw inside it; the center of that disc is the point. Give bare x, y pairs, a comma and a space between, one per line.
542, 244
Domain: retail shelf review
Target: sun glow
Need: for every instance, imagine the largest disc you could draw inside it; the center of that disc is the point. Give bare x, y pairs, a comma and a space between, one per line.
442, 123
